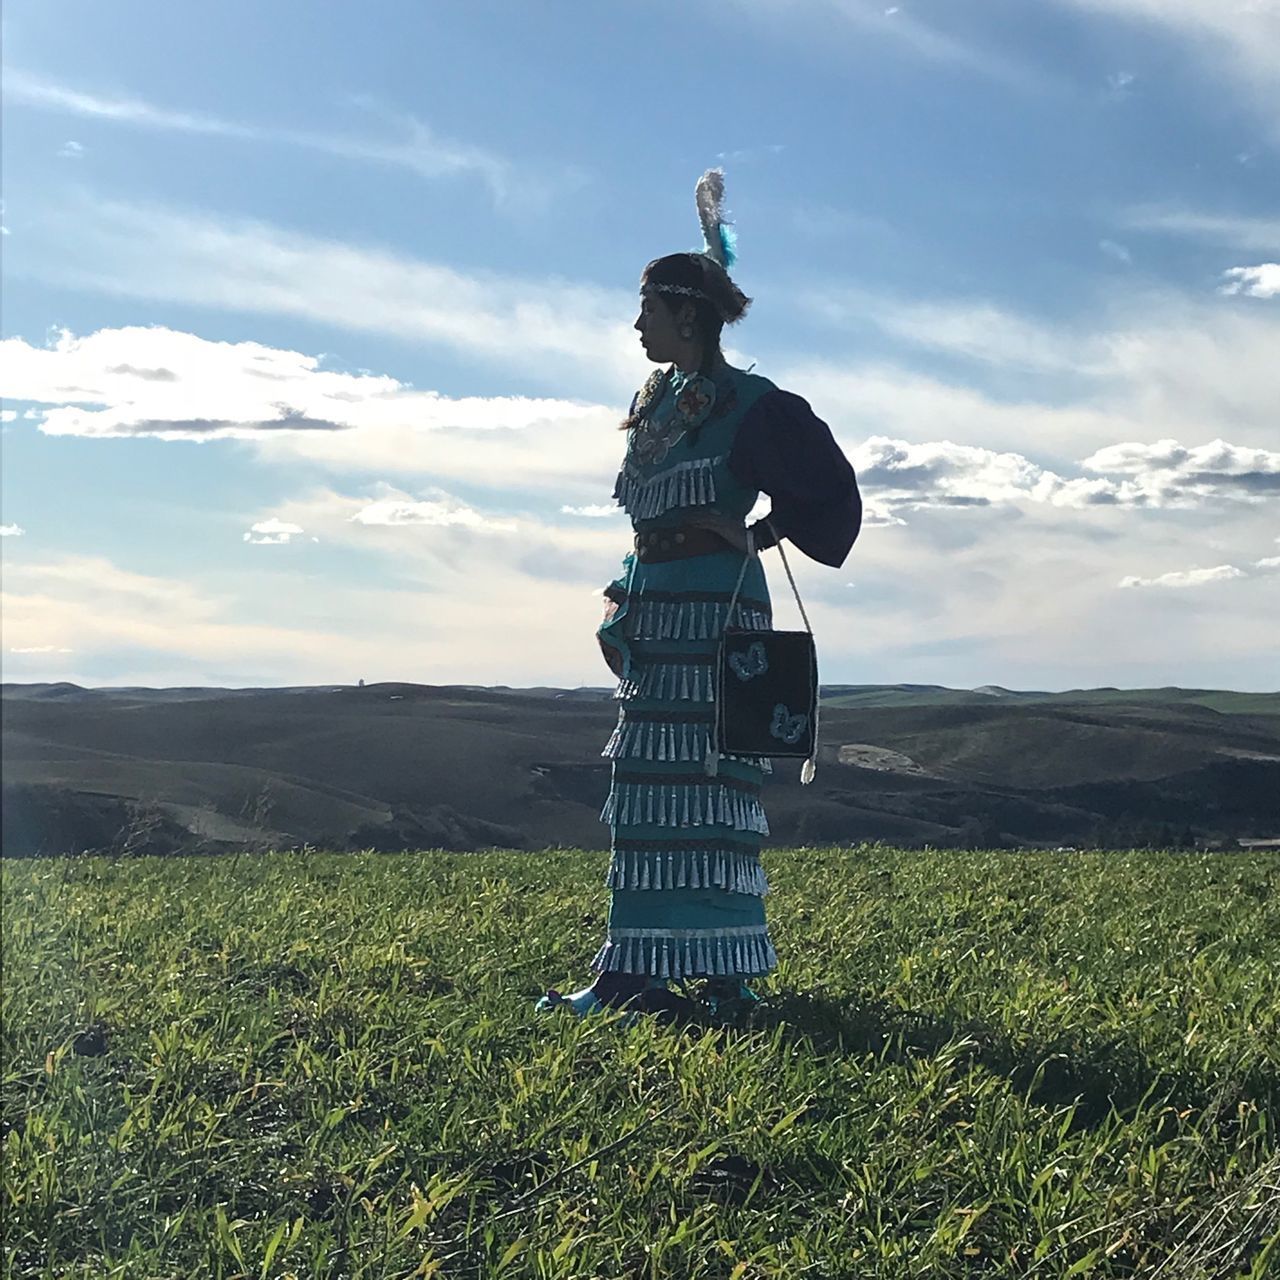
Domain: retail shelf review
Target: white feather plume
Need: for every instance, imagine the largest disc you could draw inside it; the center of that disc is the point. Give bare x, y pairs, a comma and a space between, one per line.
709, 196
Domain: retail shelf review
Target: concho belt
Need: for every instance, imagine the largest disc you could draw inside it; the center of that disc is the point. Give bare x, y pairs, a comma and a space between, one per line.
678, 544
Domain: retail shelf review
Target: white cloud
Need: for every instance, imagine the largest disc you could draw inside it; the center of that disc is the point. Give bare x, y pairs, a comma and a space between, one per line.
1201, 577
1169, 474
1262, 281
11, 531
415, 146
592, 511
70, 150
941, 473
1187, 577
556, 332
272, 532
40, 648
1116, 251
899, 476
8, 415
157, 382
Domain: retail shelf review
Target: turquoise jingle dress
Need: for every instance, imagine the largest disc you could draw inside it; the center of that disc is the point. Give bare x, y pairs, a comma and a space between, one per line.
688, 886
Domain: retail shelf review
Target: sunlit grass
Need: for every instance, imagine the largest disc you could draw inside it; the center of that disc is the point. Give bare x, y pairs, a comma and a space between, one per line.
968, 1064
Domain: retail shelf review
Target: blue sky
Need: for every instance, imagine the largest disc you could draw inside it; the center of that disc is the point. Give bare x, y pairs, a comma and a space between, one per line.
317, 327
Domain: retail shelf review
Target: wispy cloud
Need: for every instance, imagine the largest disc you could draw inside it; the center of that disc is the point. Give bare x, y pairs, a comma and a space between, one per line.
1247, 31
818, 220
748, 155
1187, 577
11, 531
1237, 41
559, 332
415, 146
407, 511
977, 330
1152, 365
434, 623
1120, 83
930, 42
70, 150
1239, 231
170, 628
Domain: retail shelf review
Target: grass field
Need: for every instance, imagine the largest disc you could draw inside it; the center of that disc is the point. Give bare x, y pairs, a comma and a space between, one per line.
997, 1065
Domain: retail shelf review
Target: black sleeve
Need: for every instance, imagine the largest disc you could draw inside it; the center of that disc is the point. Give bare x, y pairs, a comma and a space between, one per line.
785, 450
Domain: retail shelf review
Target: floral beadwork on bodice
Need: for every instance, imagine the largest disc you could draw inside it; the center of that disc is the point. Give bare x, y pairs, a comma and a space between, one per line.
678, 437
669, 405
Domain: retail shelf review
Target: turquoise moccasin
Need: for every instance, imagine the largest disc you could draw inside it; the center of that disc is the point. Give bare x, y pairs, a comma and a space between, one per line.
580, 1002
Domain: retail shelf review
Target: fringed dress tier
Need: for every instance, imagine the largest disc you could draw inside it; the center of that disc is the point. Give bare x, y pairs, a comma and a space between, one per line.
687, 883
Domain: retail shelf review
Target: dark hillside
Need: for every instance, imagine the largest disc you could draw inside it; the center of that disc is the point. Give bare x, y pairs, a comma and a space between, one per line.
401, 766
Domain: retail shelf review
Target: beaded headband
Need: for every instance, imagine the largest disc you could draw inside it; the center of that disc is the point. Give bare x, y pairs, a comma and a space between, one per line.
676, 288
687, 291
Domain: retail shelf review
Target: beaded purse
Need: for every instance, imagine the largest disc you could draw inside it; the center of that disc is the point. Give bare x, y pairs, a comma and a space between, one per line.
766, 689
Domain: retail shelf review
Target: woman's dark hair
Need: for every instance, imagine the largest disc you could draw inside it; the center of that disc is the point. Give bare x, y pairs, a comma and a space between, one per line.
727, 303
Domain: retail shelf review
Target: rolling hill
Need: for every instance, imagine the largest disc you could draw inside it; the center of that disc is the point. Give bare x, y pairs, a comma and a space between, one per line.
393, 766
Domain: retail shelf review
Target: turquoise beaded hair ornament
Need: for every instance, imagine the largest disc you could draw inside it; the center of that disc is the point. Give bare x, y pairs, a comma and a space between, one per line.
719, 251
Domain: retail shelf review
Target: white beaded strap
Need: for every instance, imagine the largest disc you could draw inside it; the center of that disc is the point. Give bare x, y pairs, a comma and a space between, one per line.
810, 766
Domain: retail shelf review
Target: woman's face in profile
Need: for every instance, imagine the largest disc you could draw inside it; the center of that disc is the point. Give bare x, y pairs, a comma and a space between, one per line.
656, 326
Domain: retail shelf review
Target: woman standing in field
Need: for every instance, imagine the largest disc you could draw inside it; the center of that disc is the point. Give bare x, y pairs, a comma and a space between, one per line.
703, 440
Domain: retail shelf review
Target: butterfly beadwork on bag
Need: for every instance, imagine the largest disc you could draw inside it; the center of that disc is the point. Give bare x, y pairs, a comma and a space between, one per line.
751, 663
786, 726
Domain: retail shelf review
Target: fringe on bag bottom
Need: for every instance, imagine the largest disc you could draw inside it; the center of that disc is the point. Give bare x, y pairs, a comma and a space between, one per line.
688, 953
